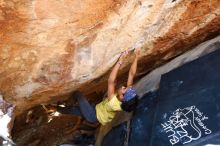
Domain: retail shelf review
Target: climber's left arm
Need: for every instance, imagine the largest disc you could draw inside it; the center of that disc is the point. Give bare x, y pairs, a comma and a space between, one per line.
133, 68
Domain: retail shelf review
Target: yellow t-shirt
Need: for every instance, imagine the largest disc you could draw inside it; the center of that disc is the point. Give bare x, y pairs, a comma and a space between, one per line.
106, 110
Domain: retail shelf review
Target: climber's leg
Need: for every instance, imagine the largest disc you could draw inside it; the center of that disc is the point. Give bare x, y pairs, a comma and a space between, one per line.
87, 110
73, 110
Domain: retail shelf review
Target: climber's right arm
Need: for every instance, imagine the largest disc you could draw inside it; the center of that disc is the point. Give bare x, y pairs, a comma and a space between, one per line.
113, 75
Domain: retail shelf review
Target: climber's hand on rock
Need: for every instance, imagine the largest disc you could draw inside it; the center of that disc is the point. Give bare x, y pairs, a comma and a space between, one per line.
123, 55
137, 52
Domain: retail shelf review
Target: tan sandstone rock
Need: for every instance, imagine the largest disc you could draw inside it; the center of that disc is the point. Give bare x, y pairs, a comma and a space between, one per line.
50, 48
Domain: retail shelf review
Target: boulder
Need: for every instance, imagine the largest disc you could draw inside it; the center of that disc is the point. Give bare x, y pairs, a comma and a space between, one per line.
51, 48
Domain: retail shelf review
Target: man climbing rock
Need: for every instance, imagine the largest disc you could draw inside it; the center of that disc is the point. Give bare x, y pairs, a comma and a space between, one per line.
124, 98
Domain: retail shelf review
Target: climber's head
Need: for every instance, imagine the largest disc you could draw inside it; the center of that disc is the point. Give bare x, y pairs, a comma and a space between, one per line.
121, 92
128, 97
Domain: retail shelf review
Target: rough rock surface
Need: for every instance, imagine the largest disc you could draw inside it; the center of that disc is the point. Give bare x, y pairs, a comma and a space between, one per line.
50, 48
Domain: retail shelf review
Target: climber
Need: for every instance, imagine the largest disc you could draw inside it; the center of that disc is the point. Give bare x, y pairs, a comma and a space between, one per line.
125, 98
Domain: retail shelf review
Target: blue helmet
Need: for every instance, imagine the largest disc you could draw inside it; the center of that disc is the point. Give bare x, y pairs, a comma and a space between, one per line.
130, 100
129, 94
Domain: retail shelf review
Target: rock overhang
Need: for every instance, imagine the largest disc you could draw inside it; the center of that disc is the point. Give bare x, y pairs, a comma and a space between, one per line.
51, 48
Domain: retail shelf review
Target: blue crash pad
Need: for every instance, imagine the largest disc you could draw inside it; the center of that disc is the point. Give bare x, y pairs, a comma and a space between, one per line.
142, 121
116, 137
188, 111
